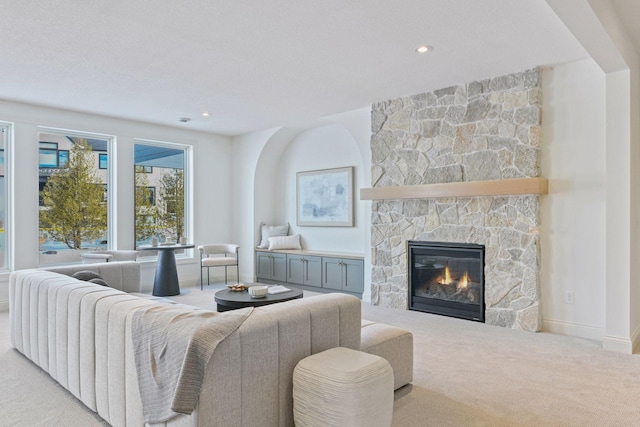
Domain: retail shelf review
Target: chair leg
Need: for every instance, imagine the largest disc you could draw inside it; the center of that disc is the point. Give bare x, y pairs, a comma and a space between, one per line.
225, 274
237, 273
208, 276
201, 277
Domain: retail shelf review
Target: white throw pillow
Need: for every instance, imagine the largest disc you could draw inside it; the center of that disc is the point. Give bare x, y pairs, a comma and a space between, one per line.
271, 231
285, 242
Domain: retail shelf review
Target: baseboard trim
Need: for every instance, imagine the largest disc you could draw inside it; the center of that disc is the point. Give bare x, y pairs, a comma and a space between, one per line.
573, 329
617, 344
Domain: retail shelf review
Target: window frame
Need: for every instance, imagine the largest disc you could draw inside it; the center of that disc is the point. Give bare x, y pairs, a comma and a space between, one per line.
111, 234
188, 191
49, 149
103, 159
7, 132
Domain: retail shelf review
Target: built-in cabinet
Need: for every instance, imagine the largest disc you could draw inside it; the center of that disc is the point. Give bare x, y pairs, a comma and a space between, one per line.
319, 271
343, 274
304, 270
271, 266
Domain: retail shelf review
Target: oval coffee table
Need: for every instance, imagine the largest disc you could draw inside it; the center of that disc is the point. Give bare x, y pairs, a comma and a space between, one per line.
227, 299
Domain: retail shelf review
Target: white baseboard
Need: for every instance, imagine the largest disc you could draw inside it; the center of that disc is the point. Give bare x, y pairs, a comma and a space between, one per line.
622, 344
573, 329
609, 342
617, 344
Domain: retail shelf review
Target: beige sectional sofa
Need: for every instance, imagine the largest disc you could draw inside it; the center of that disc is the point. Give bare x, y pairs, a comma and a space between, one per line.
121, 275
80, 333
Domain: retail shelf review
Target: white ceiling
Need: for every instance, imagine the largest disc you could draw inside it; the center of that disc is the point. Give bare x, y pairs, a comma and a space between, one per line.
259, 64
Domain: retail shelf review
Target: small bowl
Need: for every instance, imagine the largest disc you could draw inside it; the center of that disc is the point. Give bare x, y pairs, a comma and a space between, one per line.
258, 291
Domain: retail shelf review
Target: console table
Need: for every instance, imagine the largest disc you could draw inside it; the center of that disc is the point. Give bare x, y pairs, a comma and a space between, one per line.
166, 282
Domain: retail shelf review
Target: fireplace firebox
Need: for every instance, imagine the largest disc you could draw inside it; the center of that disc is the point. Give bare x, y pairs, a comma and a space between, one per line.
446, 278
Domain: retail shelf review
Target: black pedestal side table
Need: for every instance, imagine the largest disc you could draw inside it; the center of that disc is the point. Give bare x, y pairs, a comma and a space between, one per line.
166, 282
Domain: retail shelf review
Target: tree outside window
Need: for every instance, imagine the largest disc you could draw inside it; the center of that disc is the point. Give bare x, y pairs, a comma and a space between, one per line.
73, 196
160, 196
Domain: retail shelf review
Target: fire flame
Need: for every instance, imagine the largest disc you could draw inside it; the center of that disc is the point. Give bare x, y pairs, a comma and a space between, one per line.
464, 281
447, 277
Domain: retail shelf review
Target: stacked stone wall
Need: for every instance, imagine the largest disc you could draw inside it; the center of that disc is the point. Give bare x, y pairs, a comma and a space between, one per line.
478, 131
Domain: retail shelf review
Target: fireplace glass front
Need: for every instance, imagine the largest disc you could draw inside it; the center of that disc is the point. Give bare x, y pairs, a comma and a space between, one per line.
447, 278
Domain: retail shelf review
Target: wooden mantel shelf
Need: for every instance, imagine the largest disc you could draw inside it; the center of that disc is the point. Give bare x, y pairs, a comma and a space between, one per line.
502, 187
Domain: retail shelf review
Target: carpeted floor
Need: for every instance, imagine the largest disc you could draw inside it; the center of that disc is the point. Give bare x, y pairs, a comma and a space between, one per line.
465, 374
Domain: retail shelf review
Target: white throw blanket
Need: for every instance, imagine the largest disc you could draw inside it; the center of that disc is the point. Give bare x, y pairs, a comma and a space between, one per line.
172, 349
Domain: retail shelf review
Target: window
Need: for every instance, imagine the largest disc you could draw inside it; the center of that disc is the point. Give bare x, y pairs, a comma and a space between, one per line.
73, 193
63, 158
5, 132
144, 169
102, 161
161, 199
48, 155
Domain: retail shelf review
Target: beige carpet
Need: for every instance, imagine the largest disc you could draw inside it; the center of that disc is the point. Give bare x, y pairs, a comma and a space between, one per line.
465, 374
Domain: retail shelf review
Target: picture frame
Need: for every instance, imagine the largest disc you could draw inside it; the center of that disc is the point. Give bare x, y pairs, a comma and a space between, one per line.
324, 198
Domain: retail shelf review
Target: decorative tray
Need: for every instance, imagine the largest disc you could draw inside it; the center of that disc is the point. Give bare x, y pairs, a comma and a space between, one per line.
238, 287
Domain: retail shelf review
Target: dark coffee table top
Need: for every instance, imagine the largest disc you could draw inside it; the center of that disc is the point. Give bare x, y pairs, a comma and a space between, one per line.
227, 299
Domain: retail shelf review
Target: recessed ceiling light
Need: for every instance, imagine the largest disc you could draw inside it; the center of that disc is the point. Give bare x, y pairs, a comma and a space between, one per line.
424, 49
205, 114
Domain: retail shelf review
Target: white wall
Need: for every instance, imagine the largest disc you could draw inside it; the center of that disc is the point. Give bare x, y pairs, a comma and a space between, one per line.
623, 142
597, 26
211, 167
573, 221
245, 156
323, 147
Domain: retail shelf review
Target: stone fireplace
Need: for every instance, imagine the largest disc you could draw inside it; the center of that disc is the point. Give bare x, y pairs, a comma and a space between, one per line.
480, 131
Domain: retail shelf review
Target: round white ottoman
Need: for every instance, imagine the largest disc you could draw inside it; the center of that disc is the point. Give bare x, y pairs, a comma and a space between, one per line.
342, 387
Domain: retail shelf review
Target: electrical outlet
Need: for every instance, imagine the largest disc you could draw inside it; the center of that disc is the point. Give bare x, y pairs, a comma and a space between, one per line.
568, 297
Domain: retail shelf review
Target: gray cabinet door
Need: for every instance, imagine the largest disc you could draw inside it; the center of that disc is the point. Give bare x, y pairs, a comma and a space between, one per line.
312, 271
271, 266
343, 274
263, 266
295, 269
304, 270
353, 275
279, 271
332, 273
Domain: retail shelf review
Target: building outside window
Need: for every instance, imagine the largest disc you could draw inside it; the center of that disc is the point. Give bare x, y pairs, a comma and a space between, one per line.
73, 194
160, 197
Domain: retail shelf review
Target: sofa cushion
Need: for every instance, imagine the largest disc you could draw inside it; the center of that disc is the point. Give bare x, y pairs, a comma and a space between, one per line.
121, 275
89, 276
86, 275
98, 281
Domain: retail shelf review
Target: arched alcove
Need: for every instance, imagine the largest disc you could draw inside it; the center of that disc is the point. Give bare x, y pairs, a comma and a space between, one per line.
327, 144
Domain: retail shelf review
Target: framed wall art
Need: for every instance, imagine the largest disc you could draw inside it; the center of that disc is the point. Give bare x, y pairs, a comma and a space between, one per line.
325, 197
